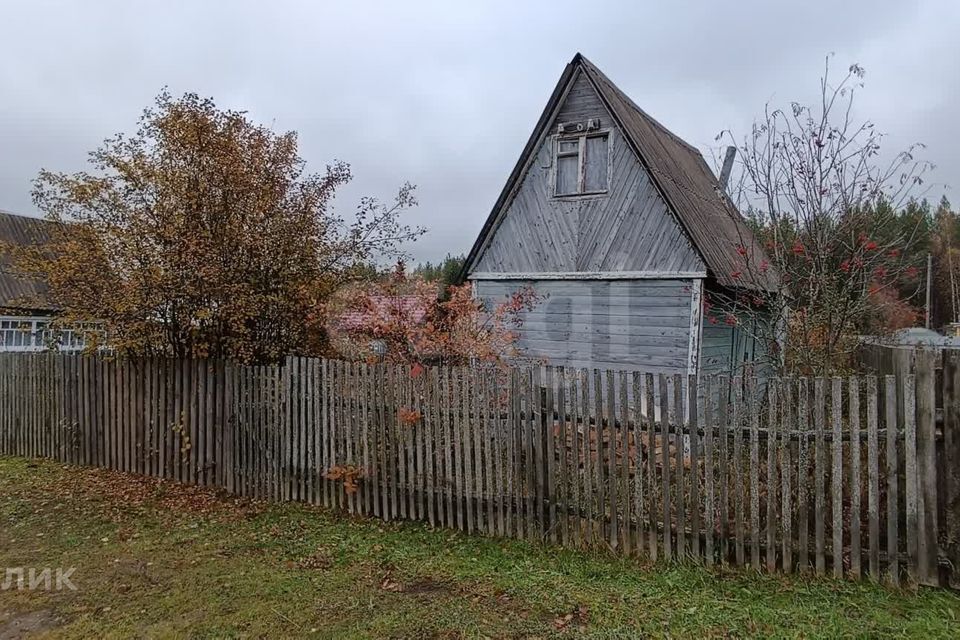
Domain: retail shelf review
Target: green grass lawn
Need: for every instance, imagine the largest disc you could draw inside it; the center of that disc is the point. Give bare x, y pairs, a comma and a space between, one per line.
154, 559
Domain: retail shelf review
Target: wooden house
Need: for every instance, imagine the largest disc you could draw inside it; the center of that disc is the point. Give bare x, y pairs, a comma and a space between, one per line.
622, 228
26, 312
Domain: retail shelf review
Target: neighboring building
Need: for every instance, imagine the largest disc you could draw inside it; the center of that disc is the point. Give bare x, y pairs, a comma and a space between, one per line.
895, 354
26, 312
622, 227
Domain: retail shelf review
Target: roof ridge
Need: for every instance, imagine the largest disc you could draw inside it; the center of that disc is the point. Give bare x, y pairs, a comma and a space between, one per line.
12, 214
603, 77
713, 223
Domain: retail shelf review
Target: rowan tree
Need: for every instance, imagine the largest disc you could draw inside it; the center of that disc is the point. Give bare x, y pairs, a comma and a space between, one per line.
830, 212
203, 235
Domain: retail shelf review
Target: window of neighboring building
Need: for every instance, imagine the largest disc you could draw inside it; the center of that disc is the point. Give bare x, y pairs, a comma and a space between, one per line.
582, 165
36, 334
16, 335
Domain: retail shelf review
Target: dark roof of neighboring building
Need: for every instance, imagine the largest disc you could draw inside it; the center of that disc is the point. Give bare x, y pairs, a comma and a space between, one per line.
683, 178
17, 291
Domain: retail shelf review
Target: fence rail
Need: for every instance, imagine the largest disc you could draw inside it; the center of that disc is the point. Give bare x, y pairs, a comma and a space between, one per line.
843, 475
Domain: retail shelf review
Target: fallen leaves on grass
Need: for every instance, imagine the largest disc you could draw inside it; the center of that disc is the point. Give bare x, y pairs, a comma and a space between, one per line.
578, 617
319, 559
387, 583
122, 492
420, 586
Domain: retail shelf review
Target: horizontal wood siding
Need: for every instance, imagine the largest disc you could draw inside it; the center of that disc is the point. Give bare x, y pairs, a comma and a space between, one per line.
629, 228
616, 324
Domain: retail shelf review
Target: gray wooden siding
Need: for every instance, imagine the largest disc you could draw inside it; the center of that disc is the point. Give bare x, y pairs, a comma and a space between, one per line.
581, 103
726, 348
627, 229
615, 324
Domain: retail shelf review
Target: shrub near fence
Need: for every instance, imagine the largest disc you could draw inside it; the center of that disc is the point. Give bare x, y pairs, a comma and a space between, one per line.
848, 476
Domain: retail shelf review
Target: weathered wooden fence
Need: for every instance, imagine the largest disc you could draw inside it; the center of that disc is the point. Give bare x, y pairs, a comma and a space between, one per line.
848, 476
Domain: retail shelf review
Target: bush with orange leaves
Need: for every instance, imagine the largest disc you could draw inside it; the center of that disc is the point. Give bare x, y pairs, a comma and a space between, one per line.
406, 318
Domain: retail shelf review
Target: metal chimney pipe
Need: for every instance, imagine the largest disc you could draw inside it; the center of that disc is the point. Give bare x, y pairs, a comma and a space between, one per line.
727, 167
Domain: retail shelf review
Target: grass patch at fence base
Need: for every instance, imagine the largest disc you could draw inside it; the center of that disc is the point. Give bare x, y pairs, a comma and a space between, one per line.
157, 559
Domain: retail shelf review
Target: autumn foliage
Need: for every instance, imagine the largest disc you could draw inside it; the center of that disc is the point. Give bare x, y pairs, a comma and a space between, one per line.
203, 235
350, 475
837, 226
408, 321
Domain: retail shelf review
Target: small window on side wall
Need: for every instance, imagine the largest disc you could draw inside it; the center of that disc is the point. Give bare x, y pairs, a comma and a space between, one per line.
581, 165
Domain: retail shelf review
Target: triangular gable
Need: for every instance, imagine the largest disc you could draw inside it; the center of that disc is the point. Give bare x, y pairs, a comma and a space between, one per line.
717, 229
678, 172
629, 229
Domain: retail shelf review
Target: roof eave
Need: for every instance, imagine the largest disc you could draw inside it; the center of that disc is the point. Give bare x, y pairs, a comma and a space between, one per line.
520, 166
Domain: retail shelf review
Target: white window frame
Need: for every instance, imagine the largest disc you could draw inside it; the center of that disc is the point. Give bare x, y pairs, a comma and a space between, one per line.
581, 139
34, 327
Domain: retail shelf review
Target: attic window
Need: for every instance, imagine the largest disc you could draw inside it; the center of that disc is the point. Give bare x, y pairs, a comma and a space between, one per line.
581, 166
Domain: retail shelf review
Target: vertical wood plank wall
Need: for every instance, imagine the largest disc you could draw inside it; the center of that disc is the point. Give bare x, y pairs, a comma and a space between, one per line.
850, 477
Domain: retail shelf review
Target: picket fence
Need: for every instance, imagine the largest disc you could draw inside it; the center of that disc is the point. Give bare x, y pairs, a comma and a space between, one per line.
849, 476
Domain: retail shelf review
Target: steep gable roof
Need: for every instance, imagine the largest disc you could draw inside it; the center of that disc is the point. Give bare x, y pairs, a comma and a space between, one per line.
681, 175
17, 291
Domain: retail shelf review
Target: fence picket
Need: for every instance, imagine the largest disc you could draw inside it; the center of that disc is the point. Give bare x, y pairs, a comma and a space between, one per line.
196, 435
587, 472
550, 487
486, 413
99, 408
638, 462
563, 460
679, 475
611, 466
774, 387
576, 464
949, 467
819, 415
694, 404
723, 414
803, 474
531, 393
927, 494
665, 466
599, 481
836, 476
709, 508
786, 471
892, 428
853, 418
302, 446
737, 420
754, 409
873, 479
912, 480
324, 466
450, 461
429, 441
624, 463
515, 528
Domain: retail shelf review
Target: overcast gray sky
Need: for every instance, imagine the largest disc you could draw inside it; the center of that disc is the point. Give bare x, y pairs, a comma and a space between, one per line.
444, 94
